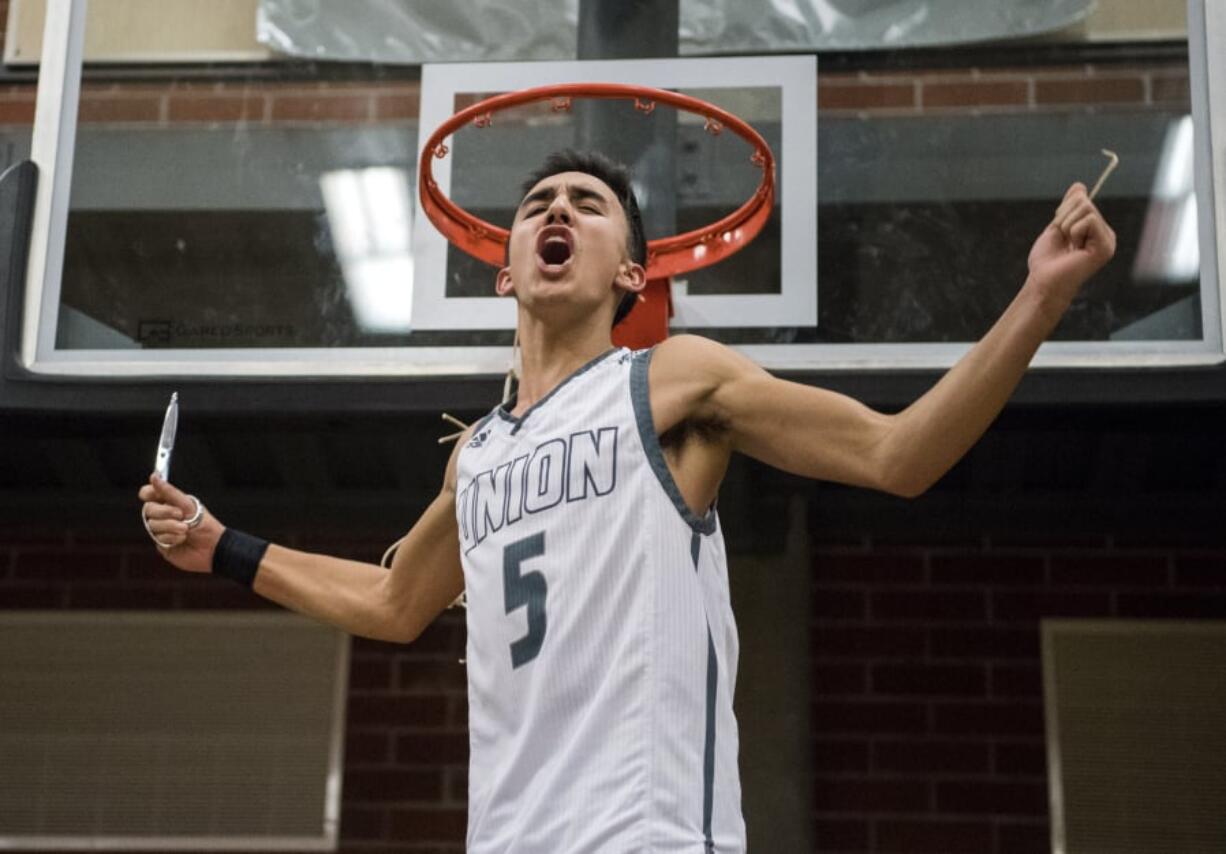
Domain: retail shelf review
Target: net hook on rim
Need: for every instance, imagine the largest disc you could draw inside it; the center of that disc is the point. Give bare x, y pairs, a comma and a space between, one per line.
644, 106
483, 121
561, 104
713, 126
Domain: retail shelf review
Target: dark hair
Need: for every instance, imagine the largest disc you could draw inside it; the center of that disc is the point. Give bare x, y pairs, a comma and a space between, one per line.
617, 177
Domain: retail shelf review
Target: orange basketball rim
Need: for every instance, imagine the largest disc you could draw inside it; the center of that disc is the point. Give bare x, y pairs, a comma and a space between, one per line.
666, 257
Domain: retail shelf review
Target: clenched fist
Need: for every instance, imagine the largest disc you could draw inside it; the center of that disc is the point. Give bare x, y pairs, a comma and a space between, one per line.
165, 510
1074, 246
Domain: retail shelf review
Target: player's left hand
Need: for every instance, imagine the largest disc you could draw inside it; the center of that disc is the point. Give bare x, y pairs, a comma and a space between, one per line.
1073, 247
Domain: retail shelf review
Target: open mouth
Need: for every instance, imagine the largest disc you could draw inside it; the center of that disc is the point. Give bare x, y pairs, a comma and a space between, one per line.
555, 247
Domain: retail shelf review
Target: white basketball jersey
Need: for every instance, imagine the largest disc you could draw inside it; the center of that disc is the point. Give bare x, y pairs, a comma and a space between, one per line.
602, 650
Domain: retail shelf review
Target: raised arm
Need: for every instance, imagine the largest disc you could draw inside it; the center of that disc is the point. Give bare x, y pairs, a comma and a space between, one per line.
359, 598
822, 434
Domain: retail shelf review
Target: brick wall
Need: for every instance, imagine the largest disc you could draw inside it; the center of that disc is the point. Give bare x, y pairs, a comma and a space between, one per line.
966, 91
406, 746
928, 717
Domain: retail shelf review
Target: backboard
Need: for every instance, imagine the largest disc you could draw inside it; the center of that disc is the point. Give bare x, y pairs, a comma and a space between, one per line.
265, 225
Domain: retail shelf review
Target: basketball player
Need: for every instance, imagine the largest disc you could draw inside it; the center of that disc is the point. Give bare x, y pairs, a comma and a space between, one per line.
580, 519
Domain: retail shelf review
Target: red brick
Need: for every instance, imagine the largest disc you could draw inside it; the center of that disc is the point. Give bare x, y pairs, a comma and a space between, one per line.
367, 548
371, 647
980, 93
406, 105
1203, 606
1208, 536
930, 756
67, 565
1016, 680
1016, 718
946, 837
1027, 607
1020, 758
368, 673
443, 748
367, 747
833, 603
929, 607
869, 717
842, 835
1170, 89
967, 680
876, 641
432, 677
32, 596
946, 538
982, 643
833, 679
869, 569
457, 785
16, 110
1017, 838
439, 636
369, 710
457, 710
839, 756
382, 785
1049, 540
222, 595
147, 565
215, 108
837, 538
865, 96
437, 825
119, 108
35, 538
878, 796
321, 108
464, 100
1099, 90
985, 796
363, 823
1109, 570
115, 597
987, 569
1201, 571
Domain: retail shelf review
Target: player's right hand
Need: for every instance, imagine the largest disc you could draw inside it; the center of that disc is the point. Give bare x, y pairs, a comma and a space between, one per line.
166, 509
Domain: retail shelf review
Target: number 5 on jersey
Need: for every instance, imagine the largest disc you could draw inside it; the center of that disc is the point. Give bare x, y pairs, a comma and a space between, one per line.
525, 588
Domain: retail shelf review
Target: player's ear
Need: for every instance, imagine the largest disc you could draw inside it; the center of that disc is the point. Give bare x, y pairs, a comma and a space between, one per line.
631, 277
502, 282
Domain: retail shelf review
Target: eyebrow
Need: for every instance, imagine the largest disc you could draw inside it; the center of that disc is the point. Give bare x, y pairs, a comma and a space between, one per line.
577, 194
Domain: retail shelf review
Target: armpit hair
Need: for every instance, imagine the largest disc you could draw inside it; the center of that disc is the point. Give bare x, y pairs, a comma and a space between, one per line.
707, 429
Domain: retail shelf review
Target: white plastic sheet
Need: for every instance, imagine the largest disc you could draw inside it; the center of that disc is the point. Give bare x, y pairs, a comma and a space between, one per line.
418, 31
722, 26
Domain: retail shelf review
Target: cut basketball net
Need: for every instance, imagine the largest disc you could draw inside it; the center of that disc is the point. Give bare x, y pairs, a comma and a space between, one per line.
1113, 161
647, 323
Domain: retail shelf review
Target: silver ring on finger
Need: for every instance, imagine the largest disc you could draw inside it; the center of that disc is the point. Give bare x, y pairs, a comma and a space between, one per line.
198, 515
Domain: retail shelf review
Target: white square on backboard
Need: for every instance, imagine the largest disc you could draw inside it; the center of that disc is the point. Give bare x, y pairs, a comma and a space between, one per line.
794, 76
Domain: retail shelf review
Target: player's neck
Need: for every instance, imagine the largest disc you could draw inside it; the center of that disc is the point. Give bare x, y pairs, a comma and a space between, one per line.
548, 357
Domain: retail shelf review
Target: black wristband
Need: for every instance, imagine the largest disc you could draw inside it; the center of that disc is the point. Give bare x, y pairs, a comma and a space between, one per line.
238, 556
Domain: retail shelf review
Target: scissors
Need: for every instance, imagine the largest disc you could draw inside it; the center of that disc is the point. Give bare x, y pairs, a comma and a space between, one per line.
166, 444
161, 467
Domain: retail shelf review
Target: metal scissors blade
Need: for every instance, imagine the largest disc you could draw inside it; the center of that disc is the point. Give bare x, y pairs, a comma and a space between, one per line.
166, 444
